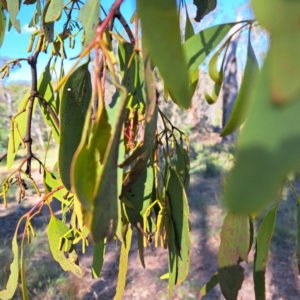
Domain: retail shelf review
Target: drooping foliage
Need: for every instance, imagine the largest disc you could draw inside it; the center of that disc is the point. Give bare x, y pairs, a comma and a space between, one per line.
117, 171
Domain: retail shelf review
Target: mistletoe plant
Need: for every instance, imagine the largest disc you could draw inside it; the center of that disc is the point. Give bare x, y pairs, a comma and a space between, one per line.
117, 171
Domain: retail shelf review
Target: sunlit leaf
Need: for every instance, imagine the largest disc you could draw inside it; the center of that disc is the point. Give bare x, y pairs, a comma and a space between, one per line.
75, 102
164, 34
211, 99
268, 148
12, 282
235, 238
183, 165
207, 287
198, 47
49, 97
214, 73
189, 29
263, 241
89, 17
13, 7
123, 264
54, 10
47, 28
241, 103
180, 215
56, 229
23, 279
204, 7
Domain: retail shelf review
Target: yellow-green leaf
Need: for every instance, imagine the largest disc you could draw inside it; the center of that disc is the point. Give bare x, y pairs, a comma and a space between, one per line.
56, 229
241, 104
54, 10
189, 29
75, 102
23, 279
12, 282
215, 75
215, 94
123, 264
207, 287
89, 17
263, 241
199, 46
49, 97
161, 35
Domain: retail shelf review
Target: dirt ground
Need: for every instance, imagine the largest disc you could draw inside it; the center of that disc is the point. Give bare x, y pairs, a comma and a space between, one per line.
206, 218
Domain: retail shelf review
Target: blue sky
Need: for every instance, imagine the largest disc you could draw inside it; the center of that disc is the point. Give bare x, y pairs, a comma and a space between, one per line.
15, 44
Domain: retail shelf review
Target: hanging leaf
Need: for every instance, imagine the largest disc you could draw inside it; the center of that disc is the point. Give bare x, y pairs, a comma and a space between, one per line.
214, 280
140, 195
198, 47
267, 150
12, 282
215, 94
98, 258
189, 29
13, 7
164, 34
123, 264
180, 217
49, 97
285, 44
75, 102
183, 165
204, 7
56, 229
172, 261
141, 248
215, 75
54, 11
298, 237
47, 28
263, 241
2, 25
89, 17
235, 238
23, 279
241, 103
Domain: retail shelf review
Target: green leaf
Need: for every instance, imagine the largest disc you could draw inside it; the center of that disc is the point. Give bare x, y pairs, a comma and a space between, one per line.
214, 280
56, 229
235, 238
161, 35
215, 94
23, 279
75, 102
47, 28
172, 261
104, 217
183, 165
12, 282
241, 104
2, 25
263, 240
141, 251
268, 148
13, 7
204, 7
54, 10
49, 97
180, 218
198, 47
215, 75
298, 237
285, 44
43, 85
89, 17
189, 29
98, 258
123, 265
140, 195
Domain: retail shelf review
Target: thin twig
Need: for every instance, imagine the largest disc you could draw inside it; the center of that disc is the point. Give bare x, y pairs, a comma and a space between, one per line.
124, 23
50, 110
